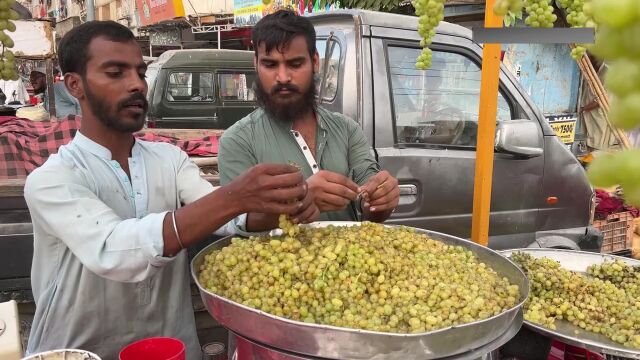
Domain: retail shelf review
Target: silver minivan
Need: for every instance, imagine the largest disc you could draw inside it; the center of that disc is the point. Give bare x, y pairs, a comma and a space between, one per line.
423, 128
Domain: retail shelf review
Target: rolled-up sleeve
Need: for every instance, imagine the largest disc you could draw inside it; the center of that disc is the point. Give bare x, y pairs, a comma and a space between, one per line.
126, 250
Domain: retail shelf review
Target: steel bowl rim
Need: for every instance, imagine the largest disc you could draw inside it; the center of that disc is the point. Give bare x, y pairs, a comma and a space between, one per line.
523, 297
567, 251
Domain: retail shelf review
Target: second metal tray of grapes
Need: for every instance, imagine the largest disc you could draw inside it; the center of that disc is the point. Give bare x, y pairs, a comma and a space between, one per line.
342, 343
579, 261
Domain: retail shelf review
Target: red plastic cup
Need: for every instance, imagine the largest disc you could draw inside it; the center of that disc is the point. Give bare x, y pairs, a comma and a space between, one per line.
156, 348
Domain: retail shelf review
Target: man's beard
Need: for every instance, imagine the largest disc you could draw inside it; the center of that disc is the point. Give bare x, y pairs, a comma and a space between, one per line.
290, 110
101, 110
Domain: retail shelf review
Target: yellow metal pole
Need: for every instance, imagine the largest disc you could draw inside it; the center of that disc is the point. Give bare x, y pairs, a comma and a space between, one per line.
486, 132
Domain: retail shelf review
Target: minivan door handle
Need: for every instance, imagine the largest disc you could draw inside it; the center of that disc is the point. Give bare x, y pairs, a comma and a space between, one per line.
408, 190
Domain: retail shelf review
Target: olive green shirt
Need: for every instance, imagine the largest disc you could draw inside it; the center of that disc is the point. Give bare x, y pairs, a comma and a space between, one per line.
341, 147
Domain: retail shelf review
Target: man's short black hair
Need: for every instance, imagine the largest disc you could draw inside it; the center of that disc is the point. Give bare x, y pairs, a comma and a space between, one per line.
277, 30
73, 51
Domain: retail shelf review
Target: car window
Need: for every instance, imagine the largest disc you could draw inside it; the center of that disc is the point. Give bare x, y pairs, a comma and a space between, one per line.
440, 105
190, 86
237, 86
331, 81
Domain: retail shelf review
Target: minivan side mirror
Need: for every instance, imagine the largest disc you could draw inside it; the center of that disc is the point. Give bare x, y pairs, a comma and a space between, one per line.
520, 138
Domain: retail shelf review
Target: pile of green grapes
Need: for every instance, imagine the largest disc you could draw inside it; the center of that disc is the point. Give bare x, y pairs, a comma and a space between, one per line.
430, 13
617, 43
363, 277
7, 66
606, 302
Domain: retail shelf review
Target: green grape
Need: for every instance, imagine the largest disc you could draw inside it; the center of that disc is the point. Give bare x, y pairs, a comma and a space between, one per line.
8, 42
629, 174
8, 54
365, 277
13, 15
625, 112
7, 73
621, 168
609, 44
11, 26
602, 171
615, 13
623, 77
501, 7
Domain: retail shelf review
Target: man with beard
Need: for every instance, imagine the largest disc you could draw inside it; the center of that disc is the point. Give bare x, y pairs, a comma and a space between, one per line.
112, 215
289, 127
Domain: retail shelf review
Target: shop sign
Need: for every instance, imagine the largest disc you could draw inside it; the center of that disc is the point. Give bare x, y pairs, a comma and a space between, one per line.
165, 38
155, 11
564, 126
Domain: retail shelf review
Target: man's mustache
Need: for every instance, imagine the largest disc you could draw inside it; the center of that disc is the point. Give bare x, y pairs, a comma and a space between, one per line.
135, 97
289, 87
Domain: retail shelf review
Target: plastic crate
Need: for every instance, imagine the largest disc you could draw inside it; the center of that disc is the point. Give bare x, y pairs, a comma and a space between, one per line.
617, 230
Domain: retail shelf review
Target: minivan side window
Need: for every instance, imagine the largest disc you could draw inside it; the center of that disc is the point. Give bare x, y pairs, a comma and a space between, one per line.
438, 106
331, 81
236, 86
190, 86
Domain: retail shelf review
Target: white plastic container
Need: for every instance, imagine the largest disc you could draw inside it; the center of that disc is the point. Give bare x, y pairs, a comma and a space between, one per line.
64, 354
10, 345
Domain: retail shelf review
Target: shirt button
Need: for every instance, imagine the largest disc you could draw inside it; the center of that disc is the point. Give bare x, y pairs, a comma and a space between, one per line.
315, 166
296, 134
304, 148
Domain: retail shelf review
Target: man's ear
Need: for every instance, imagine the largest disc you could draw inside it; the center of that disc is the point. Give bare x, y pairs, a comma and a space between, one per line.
74, 85
316, 63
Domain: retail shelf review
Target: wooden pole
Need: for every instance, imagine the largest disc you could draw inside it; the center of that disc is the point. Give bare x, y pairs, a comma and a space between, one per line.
597, 88
486, 132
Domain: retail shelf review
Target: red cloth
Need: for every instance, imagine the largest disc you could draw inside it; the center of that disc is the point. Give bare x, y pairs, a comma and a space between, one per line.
27, 144
608, 205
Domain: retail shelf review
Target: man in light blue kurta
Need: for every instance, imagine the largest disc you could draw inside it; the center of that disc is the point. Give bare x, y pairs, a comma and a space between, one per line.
99, 245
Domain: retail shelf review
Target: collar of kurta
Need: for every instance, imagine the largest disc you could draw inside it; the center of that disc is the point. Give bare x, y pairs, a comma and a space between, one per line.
320, 119
96, 149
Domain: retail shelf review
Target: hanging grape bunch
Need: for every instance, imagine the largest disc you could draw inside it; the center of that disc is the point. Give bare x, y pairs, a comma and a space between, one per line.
617, 44
7, 15
540, 13
430, 13
579, 14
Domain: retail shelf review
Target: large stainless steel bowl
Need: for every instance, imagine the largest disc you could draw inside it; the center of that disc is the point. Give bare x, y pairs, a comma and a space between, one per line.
579, 261
342, 343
